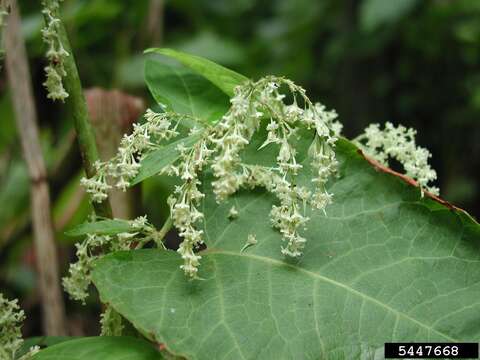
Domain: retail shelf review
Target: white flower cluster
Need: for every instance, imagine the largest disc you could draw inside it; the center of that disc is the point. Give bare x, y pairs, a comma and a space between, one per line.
265, 99
399, 143
11, 318
3, 16
226, 140
56, 53
125, 165
111, 322
220, 147
184, 202
76, 284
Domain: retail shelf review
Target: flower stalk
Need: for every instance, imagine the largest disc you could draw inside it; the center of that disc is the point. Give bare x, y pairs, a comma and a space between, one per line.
60, 51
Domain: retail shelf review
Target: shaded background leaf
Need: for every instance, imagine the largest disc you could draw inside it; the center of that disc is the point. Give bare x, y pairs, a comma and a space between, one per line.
375, 13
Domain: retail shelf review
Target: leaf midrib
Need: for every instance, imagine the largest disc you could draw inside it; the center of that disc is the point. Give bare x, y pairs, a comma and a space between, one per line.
317, 276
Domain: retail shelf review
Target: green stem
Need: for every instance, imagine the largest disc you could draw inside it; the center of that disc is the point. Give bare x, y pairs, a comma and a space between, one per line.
78, 105
163, 231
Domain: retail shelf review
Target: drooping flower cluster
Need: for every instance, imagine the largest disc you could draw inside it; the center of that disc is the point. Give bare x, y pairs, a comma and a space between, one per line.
120, 170
3, 16
399, 143
221, 146
250, 104
265, 99
11, 318
111, 322
140, 233
56, 53
185, 200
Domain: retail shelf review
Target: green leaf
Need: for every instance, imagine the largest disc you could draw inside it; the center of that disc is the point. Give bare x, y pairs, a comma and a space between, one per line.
103, 227
374, 13
225, 79
42, 342
100, 348
381, 265
158, 159
183, 91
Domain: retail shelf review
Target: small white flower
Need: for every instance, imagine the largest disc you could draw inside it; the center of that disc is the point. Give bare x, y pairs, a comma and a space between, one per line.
232, 213
251, 240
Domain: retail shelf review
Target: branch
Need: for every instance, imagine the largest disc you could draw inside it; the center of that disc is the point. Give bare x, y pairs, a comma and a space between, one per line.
77, 103
26, 119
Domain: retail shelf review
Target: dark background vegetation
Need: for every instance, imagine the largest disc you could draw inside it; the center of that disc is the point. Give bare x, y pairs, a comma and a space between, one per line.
412, 62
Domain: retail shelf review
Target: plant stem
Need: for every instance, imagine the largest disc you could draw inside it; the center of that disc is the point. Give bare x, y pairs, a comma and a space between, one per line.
78, 105
26, 120
163, 231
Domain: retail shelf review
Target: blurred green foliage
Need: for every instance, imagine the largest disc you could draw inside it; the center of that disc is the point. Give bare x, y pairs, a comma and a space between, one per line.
405, 61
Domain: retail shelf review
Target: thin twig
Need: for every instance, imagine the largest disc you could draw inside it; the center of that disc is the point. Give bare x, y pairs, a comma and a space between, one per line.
26, 119
163, 232
155, 22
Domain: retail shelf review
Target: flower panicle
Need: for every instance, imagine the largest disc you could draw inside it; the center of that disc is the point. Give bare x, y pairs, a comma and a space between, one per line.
265, 98
11, 319
125, 165
398, 142
77, 282
56, 53
220, 148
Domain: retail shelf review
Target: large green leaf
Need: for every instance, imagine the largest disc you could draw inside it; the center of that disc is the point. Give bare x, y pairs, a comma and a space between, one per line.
225, 79
100, 348
381, 265
183, 91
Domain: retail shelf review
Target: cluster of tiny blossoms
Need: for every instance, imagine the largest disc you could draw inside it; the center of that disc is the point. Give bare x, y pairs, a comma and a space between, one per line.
79, 278
56, 53
11, 318
224, 143
265, 99
399, 143
220, 147
185, 200
111, 322
125, 165
3, 16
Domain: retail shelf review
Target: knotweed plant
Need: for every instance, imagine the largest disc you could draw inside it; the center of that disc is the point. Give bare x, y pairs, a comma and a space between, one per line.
284, 109
11, 318
399, 143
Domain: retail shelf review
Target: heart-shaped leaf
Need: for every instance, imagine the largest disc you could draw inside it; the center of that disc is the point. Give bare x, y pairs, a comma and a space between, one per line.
383, 264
